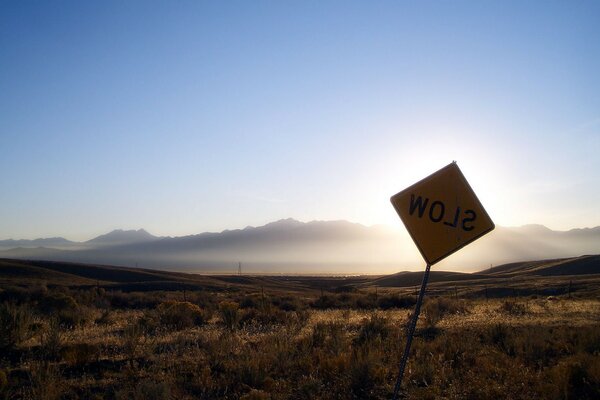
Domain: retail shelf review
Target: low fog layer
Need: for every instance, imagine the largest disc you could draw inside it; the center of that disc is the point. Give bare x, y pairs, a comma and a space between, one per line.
289, 246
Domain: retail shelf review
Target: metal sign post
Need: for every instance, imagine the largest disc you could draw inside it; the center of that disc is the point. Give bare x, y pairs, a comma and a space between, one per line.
411, 332
442, 215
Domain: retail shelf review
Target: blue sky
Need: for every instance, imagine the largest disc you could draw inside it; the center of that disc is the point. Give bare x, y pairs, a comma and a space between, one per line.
183, 117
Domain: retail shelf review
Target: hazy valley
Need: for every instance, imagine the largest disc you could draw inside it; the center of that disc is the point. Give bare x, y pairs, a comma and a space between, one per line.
293, 247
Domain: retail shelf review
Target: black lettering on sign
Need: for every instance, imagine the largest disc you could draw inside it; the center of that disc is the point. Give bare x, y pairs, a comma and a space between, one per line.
465, 221
437, 211
453, 224
418, 203
440, 215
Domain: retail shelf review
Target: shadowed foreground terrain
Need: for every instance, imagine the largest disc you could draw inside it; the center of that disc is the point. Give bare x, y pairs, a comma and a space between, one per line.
520, 331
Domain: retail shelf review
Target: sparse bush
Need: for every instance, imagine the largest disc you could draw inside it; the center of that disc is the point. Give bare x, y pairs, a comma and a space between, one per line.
330, 336
308, 388
65, 308
133, 300
272, 317
181, 315
324, 302
376, 327
252, 370
15, 325
133, 335
287, 303
151, 390
365, 302
74, 317
297, 320
388, 301
422, 371
57, 302
499, 335
578, 378
80, 354
15, 294
230, 315
251, 302
106, 318
45, 381
51, 340
512, 307
436, 309
366, 372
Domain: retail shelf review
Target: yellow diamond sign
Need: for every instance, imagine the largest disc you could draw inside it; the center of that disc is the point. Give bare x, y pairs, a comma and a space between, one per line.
442, 213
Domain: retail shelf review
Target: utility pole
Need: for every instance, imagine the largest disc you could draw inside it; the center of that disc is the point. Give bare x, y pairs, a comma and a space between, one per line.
239, 268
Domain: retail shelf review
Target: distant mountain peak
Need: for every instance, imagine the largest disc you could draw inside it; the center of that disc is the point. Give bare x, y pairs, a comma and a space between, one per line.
285, 222
536, 227
123, 237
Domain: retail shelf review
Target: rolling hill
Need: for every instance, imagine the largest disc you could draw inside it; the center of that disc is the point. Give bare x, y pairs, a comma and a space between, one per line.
28, 272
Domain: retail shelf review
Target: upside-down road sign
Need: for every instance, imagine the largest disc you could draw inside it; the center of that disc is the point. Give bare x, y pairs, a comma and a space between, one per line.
442, 213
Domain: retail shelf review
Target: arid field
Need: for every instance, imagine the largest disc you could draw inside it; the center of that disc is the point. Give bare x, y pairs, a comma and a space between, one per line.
320, 338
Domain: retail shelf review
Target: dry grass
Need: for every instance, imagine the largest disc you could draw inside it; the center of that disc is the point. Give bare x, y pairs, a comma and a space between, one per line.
232, 349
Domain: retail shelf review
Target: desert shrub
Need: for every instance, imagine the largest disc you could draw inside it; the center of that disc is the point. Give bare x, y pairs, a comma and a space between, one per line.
366, 372
230, 316
297, 320
181, 315
456, 350
51, 340
251, 301
74, 317
253, 316
106, 318
133, 300
534, 346
308, 387
377, 327
79, 354
329, 336
150, 322
324, 302
92, 297
577, 378
364, 302
252, 370
588, 340
15, 294
512, 307
15, 325
500, 335
385, 302
422, 370
287, 303
133, 336
436, 309
152, 390
46, 382
65, 308
57, 302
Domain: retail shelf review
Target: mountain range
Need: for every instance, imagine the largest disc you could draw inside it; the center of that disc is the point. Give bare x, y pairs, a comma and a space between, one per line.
291, 246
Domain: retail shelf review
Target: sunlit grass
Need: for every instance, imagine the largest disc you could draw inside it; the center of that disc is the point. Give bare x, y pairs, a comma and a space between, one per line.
518, 348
